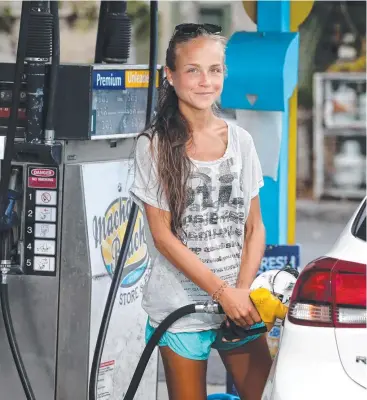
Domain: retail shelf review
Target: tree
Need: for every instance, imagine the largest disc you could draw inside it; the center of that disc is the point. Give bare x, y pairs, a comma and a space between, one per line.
7, 19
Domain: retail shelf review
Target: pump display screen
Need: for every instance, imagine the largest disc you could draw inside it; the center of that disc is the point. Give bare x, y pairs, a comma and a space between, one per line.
119, 102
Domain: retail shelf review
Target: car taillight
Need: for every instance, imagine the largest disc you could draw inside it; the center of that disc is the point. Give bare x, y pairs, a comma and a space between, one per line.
350, 294
330, 292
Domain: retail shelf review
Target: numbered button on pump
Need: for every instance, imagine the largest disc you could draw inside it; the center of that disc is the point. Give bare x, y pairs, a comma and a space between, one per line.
45, 214
46, 197
45, 231
46, 247
44, 263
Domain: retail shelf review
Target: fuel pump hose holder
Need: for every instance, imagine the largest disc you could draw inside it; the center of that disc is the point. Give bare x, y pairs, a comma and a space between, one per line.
39, 37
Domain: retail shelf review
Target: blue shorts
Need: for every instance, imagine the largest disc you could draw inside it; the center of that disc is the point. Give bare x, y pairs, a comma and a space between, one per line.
197, 345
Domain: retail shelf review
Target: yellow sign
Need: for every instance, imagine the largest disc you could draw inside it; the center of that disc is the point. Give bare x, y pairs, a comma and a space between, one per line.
299, 11
138, 79
109, 231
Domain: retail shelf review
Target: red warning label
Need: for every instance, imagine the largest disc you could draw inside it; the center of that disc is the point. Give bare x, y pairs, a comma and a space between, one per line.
42, 178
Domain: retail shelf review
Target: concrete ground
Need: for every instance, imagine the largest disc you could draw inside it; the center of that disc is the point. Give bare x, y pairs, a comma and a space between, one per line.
318, 226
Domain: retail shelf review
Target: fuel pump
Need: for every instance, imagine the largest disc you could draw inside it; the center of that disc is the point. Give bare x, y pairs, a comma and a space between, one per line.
68, 133
73, 247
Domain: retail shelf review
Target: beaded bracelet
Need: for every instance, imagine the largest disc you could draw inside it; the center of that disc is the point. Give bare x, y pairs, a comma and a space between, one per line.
218, 293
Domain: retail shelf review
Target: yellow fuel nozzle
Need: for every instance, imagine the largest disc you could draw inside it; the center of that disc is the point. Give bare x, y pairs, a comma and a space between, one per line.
268, 306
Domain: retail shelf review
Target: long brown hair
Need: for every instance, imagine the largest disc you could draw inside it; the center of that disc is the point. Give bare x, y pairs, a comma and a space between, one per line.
173, 132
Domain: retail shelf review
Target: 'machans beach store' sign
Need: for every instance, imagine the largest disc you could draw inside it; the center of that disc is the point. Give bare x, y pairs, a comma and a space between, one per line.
108, 232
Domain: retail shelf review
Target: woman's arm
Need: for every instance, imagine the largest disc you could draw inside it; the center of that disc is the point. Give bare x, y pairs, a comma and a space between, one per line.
235, 301
254, 246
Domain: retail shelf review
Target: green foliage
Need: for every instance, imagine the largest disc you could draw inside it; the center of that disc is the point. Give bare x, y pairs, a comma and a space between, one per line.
139, 13
83, 14
7, 20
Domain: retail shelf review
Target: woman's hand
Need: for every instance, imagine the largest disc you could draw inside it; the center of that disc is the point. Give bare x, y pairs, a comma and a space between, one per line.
237, 305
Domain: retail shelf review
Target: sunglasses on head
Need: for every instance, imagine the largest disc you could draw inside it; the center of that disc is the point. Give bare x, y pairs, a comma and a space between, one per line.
193, 29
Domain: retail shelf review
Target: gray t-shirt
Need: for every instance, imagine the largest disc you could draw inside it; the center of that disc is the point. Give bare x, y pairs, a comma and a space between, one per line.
218, 203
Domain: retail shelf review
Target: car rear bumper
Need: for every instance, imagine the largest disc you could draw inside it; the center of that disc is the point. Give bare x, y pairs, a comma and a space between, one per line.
308, 368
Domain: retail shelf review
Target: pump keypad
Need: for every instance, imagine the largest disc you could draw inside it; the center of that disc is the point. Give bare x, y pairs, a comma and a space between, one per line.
41, 220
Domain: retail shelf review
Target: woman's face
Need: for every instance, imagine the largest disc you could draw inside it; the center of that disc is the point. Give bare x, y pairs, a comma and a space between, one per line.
198, 78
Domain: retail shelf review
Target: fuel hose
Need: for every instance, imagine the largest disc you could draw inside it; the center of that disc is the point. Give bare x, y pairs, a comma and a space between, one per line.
8, 324
153, 341
4, 184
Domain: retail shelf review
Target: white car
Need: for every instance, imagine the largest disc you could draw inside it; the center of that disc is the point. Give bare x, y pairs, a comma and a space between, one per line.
323, 346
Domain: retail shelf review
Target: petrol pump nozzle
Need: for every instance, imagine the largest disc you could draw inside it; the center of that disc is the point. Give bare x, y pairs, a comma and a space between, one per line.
268, 306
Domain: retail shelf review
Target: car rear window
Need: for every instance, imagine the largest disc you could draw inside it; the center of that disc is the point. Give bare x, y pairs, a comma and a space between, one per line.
359, 225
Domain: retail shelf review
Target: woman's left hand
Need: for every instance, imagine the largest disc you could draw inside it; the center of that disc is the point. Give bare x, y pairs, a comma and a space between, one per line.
252, 316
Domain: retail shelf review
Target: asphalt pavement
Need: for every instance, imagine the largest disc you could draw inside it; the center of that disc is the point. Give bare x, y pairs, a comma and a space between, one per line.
318, 226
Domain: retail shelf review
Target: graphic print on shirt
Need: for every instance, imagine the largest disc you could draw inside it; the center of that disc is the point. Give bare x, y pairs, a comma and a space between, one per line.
213, 222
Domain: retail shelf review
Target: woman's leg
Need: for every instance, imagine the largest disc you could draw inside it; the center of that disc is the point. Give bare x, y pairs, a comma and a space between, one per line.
249, 366
186, 379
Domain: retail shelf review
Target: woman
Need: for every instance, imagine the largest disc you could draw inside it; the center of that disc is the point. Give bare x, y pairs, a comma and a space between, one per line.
197, 181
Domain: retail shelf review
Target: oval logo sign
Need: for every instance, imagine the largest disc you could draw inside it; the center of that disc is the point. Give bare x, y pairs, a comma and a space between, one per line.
109, 231
43, 172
